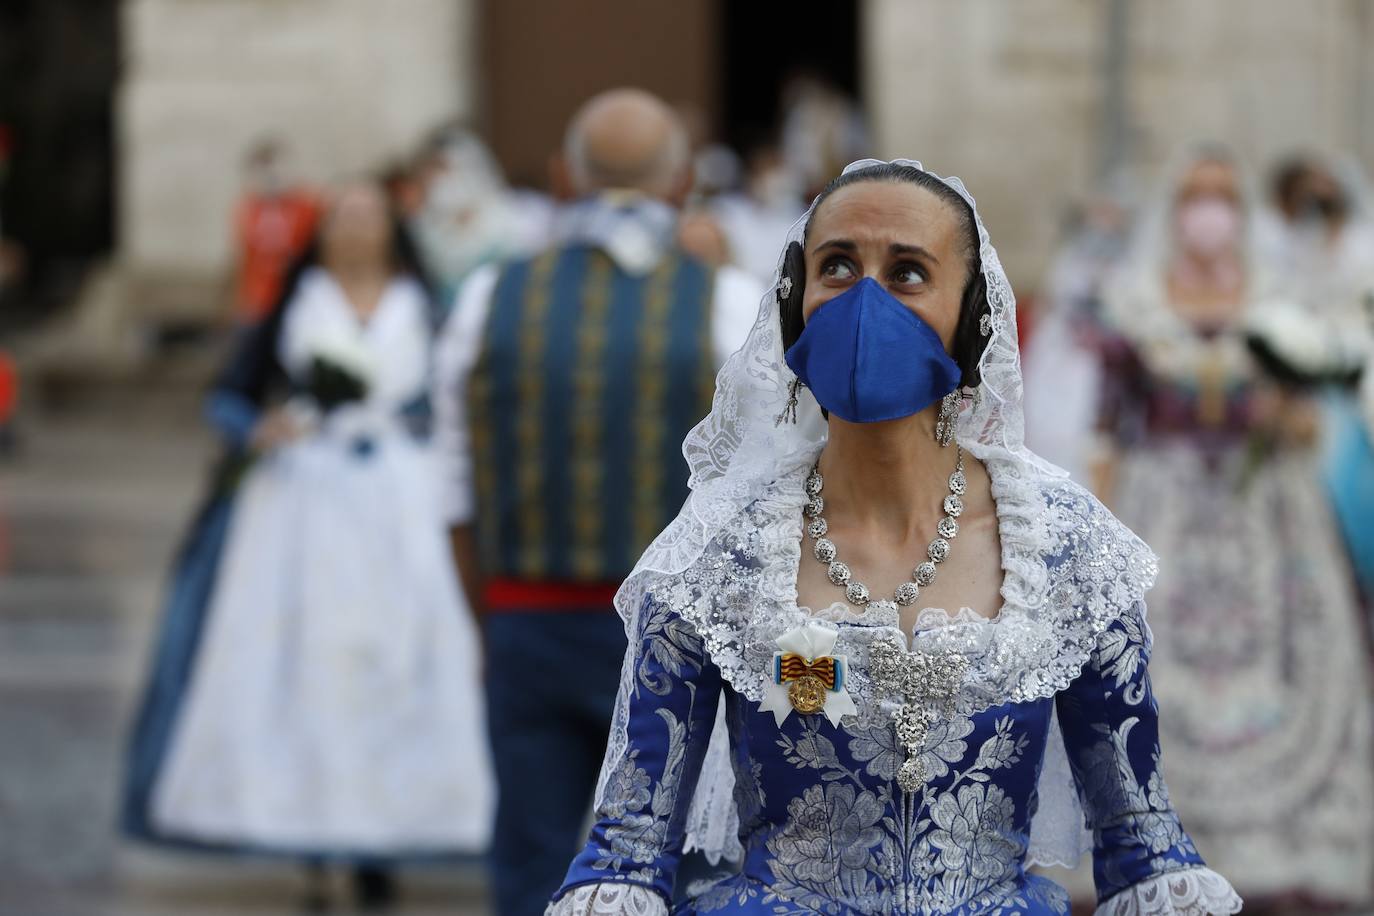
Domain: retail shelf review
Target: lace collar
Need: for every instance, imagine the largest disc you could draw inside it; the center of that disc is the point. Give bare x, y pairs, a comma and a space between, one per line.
883, 615
1069, 569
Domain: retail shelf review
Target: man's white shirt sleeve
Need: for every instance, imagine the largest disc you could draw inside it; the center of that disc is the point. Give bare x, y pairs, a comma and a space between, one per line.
734, 309
456, 352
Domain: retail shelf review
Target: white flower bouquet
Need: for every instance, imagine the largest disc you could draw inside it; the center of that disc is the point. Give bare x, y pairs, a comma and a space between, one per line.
341, 372
1299, 349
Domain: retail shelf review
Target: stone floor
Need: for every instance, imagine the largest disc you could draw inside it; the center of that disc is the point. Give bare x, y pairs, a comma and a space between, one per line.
89, 515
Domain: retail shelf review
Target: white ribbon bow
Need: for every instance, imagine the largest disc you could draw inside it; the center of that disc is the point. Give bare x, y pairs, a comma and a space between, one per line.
811, 640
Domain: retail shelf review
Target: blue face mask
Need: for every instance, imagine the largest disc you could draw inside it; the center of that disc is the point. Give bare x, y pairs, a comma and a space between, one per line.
868, 358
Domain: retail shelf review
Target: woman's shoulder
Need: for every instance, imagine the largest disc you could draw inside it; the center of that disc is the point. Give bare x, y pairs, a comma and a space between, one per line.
1088, 546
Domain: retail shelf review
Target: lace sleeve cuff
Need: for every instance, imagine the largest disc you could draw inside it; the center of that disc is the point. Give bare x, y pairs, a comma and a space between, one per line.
1188, 892
611, 899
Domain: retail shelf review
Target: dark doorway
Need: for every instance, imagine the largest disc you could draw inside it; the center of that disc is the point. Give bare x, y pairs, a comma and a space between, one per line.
766, 46
58, 72
541, 60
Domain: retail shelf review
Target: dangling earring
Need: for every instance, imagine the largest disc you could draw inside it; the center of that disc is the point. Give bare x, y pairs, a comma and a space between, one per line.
789, 410
784, 288
944, 426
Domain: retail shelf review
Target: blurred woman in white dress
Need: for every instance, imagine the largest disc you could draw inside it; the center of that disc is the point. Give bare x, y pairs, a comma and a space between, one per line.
327, 704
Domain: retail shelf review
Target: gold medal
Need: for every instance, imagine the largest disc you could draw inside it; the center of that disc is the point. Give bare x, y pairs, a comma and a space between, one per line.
807, 694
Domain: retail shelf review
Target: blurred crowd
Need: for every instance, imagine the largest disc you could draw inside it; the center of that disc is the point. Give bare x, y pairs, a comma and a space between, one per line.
1195, 353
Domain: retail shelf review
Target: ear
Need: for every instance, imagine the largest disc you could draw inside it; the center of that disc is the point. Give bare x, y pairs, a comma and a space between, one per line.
790, 305
681, 188
969, 343
560, 179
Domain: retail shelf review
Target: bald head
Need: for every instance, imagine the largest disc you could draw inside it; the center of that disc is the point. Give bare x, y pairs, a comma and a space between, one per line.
627, 139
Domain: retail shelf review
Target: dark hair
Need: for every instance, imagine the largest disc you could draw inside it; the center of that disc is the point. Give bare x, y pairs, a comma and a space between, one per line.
1286, 179
969, 342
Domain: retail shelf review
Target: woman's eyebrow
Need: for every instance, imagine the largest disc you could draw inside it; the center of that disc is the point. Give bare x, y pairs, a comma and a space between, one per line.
842, 244
917, 250
896, 248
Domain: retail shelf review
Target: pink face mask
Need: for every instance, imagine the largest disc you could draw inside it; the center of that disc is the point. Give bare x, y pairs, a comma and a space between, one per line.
1208, 226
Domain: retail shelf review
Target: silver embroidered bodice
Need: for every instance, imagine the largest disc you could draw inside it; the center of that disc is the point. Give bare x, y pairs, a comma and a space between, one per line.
825, 822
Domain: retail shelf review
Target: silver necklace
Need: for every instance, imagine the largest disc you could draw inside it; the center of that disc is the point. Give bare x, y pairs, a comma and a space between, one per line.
922, 576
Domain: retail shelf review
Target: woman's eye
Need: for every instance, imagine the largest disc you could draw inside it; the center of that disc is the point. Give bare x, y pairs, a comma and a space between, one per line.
837, 269
908, 275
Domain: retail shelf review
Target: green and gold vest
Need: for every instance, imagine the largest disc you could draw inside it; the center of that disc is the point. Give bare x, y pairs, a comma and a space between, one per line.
589, 379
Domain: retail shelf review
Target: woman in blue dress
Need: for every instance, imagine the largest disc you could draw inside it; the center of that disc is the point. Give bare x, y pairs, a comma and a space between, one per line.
886, 659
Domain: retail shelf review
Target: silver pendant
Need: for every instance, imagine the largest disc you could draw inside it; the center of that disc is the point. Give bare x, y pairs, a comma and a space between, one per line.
928, 685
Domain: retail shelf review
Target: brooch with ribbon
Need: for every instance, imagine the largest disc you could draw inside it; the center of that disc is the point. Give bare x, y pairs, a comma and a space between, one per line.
806, 677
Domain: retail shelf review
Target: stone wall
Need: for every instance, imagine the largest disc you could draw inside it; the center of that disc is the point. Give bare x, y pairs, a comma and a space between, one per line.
1009, 93
350, 83
1006, 93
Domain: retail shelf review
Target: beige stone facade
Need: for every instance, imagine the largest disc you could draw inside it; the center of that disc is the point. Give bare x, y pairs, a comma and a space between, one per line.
1007, 93
351, 84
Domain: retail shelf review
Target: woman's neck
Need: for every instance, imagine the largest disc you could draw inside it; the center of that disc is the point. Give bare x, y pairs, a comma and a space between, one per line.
358, 273
891, 476
361, 282
1210, 277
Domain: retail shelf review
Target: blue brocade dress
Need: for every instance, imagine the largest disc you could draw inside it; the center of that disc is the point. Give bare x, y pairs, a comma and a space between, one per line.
824, 825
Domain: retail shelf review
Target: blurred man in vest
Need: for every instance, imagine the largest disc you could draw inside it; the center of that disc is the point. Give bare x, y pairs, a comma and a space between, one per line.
565, 384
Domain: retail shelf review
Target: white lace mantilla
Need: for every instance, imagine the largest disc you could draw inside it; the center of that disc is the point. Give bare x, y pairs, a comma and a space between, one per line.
1187, 892
1070, 570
